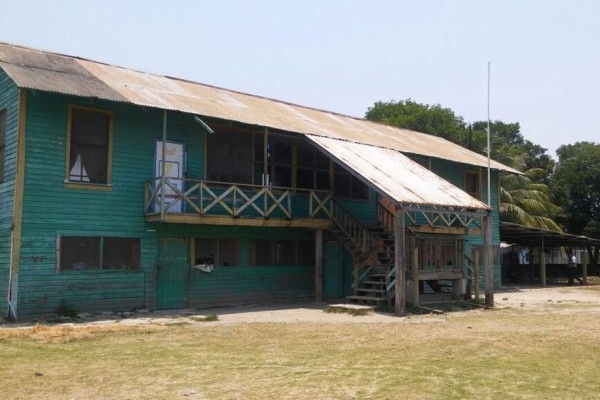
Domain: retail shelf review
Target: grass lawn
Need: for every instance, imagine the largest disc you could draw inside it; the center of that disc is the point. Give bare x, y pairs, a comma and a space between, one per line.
498, 354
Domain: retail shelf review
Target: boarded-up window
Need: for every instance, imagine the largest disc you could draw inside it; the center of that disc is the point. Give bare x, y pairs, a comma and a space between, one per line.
89, 253
2, 143
347, 186
89, 145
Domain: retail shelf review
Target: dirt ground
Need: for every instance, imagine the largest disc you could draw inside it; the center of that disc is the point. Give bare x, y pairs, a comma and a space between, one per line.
526, 298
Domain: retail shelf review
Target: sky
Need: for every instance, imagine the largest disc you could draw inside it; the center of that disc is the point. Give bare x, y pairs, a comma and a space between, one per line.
343, 56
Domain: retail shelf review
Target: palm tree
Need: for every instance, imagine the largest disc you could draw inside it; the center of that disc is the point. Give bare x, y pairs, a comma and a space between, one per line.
525, 202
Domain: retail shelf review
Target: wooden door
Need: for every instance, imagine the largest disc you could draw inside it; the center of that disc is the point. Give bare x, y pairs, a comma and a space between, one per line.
173, 269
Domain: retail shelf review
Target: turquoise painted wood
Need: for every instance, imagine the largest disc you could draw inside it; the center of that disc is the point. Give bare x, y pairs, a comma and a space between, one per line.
333, 274
9, 101
173, 268
51, 210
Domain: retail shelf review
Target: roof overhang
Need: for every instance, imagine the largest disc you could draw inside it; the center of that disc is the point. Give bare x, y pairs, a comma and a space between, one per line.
57, 73
537, 237
396, 176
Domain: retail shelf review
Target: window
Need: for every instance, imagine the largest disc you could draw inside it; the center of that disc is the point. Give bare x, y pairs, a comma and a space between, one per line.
348, 186
313, 168
89, 138
260, 252
2, 143
91, 253
285, 252
472, 183
229, 157
227, 250
306, 252
279, 161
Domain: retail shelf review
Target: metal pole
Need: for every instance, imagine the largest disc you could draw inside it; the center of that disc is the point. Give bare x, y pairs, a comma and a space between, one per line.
162, 175
489, 150
489, 261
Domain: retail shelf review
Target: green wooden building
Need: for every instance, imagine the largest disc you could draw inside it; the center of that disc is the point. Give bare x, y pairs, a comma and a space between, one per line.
121, 190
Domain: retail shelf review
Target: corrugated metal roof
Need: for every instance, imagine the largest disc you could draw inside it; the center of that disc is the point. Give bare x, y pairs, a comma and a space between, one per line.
46, 71
396, 175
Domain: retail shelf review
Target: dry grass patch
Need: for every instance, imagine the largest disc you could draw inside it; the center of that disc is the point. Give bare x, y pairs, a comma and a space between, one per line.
475, 354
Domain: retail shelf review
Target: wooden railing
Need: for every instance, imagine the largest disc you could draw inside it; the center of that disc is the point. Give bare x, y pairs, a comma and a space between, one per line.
443, 217
352, 229
188, 196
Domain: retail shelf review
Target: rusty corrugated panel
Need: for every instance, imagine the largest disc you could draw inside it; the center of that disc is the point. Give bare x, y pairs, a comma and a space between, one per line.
397, 176
35, 69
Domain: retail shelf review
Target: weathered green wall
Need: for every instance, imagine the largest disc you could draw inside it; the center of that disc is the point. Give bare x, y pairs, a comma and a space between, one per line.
9, 100
51, 210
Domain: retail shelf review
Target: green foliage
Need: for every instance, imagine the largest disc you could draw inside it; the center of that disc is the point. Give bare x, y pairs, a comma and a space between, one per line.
576, 187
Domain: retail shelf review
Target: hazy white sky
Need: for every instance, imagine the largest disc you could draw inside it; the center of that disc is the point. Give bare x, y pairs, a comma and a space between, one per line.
345, 55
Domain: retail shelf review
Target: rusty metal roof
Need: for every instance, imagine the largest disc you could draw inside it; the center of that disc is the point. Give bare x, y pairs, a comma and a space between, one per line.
51, 72
397, 176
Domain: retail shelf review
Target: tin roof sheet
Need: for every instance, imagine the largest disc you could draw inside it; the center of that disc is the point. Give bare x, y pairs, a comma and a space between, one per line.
46, 71
397, 176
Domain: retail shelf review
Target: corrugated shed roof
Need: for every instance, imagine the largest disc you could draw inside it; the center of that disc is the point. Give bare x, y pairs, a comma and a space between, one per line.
51, 72
396, 175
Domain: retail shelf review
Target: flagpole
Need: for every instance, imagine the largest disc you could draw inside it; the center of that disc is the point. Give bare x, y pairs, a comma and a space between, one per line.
489, 150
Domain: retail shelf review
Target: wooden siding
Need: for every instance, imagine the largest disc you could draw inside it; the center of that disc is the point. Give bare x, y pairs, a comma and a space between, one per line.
50, 209
9, 100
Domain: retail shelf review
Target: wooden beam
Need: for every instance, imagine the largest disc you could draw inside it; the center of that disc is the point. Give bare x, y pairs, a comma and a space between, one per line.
414, 244
399, 263
476, 277
489, 261
445, 230
436, 275
17, 206
318, 265
196, 219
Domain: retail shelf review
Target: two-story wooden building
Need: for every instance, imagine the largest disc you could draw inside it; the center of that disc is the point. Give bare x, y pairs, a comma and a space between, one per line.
121, 189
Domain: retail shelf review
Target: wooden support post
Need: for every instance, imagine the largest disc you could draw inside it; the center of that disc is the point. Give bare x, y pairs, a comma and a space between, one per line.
414, 244
476, 269
318, 265
585, 266
356, 266
399, 262
489, 261
543, 268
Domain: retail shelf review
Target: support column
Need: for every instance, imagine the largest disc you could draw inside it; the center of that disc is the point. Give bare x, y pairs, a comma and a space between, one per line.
318, 265
414, 244
585, 267
476, 272
356, 267
489, 261
543, 267
399, 262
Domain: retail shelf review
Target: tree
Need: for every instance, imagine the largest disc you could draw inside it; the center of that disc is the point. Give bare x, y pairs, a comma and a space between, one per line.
576, 187
523, 199
409, 114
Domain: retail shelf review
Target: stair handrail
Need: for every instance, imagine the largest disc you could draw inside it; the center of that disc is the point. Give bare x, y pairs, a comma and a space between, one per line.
354, 230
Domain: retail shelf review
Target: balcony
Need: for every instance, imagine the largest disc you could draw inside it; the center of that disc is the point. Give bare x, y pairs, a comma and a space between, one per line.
189, 201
